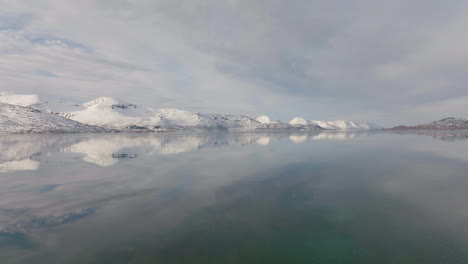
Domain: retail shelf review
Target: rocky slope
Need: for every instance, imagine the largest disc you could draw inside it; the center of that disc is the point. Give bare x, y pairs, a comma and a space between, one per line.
449, 123
24, 119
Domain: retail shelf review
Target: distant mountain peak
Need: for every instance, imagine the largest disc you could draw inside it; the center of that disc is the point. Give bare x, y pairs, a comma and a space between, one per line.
447, 119
298, 121
263, 119
103, 102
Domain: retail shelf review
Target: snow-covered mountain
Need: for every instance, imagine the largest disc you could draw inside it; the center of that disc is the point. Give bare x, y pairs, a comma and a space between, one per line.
449, 123
113, 114
110, 113
345, 125
265, 120
24, 119
266, 124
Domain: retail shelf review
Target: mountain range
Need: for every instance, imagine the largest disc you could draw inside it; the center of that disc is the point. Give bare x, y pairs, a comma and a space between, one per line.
28, 114
449, 123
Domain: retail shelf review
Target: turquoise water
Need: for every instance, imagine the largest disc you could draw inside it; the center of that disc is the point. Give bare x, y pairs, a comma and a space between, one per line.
234, 198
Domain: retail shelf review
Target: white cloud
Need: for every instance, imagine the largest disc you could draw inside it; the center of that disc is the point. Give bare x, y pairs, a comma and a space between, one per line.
317, 59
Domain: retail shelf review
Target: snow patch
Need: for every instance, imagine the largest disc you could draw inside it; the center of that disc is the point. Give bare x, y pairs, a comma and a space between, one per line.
263, 119
298, 121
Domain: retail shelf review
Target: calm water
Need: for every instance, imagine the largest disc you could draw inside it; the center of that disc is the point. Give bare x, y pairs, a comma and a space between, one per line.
234, 198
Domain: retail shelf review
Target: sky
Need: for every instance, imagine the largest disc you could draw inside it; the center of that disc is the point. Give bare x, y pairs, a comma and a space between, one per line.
390, 62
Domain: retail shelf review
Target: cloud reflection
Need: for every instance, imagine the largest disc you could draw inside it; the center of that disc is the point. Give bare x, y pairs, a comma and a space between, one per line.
145, 184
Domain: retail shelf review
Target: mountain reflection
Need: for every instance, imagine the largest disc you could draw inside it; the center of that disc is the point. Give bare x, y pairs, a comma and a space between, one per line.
153, 196
25, 152
16, 165
298, 138
447, 136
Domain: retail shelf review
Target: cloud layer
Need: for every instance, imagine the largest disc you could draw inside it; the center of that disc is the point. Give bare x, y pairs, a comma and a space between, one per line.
390, 62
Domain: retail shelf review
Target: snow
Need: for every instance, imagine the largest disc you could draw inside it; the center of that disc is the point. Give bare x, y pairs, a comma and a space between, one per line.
112, 114
59, 106
23, 119
102, 102
336, 125
19, 99
342, 125
263, 119
346, 125
298, 121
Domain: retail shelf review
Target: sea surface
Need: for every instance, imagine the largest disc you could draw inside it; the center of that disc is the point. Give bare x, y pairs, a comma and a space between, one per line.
325, 198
